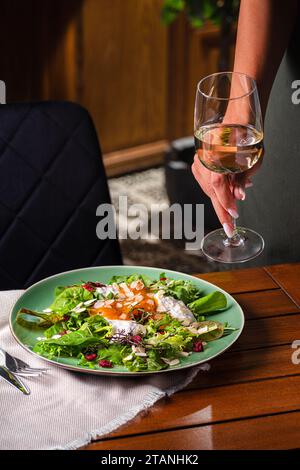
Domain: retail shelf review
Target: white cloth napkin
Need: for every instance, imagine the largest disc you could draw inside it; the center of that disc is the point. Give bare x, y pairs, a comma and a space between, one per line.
67, 410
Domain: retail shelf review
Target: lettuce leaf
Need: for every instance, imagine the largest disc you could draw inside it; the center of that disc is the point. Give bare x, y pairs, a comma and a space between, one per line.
67, 299
54, 330
91, 333
208, 304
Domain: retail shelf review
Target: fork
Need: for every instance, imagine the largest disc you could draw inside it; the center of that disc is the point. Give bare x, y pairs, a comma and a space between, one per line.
19, 367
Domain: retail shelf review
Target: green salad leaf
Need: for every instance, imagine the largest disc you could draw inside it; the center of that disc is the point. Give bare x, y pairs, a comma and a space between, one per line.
76, 332
208, 304
35, 320
180, 289
68, 298
212, 330
129, 279
93, 332
55, 329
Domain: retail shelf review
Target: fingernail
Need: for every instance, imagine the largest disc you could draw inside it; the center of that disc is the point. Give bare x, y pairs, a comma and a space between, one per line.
249, 184
233, 213
228, 230
242, 193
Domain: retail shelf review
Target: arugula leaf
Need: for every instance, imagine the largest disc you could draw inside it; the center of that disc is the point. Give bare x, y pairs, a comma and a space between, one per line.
208, 304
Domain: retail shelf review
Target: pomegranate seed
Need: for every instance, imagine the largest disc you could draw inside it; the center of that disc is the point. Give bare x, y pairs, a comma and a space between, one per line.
88, 287
105, 363
163, 279
90, 356
198, 346
91, 286
66, 317
62, 333
137, 339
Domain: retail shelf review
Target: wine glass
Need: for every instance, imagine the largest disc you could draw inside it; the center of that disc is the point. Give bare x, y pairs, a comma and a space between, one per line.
229, 140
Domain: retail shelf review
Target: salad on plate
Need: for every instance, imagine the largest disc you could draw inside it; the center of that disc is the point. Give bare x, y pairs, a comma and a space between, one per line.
132, 321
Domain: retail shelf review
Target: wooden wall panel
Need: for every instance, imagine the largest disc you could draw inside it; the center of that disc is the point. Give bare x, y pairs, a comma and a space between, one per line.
38, 48
193, 54
125, 71
55, 48
136, 76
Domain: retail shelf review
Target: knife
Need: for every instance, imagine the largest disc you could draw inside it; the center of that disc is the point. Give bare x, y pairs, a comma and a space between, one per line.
9, 377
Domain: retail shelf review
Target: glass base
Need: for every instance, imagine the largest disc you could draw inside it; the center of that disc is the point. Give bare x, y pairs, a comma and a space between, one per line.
245, 245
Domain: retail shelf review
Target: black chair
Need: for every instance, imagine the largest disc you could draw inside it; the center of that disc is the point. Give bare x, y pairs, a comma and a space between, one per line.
51, 181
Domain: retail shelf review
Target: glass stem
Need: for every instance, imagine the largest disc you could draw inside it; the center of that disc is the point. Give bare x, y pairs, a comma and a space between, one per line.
237, 239
235, 233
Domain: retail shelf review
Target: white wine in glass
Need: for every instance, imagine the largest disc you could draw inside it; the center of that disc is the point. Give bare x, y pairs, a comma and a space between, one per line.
228, 148
229, 140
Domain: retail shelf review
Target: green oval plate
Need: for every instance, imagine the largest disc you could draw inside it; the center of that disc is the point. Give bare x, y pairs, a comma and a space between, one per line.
40, 295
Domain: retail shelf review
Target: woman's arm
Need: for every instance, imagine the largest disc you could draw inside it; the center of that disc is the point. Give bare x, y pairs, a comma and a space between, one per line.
264, 30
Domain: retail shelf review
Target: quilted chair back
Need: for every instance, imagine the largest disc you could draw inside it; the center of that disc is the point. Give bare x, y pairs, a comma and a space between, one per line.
51, 181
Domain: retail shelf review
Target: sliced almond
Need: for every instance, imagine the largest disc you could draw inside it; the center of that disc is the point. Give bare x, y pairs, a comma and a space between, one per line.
138, 285
186, 322
171, 362
193, 330
126, 289
202, 330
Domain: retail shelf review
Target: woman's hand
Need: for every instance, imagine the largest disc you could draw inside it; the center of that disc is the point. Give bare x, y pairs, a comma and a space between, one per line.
223, 191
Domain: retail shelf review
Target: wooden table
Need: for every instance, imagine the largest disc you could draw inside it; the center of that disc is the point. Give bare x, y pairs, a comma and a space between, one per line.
250, 399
